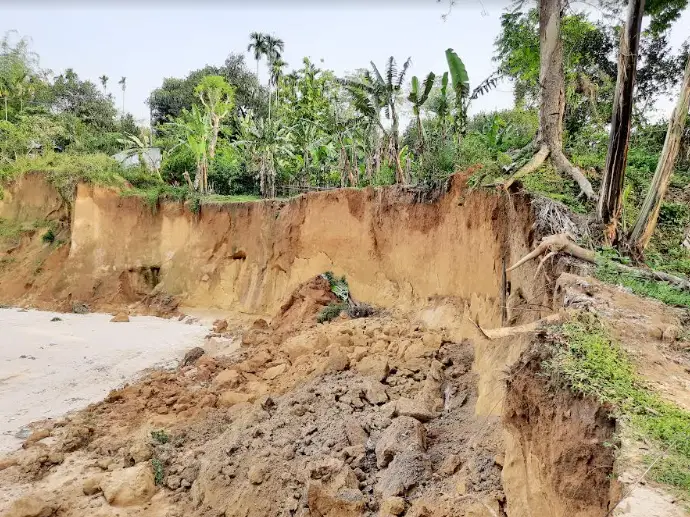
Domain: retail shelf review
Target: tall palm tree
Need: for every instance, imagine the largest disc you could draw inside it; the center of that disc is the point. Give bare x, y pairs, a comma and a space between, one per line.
257, 45
104, 82
373, 93
274, 48
418, 96
123, 83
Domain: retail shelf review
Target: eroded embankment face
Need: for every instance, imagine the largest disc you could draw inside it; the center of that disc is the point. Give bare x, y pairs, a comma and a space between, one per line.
394, 250
377, 416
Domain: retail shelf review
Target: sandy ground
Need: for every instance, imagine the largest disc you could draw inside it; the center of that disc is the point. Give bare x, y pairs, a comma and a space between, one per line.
50, 368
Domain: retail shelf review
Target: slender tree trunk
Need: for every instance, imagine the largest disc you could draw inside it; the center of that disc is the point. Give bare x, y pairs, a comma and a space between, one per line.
421, 133
552, 105
399, 173
686, 241
611, 194
214, 137
5, 108
646, 221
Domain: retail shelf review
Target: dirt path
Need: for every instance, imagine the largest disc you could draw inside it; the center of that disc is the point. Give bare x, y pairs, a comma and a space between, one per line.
48, 368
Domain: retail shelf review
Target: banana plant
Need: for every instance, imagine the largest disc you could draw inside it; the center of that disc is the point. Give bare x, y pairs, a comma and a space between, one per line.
460, 83
418, 96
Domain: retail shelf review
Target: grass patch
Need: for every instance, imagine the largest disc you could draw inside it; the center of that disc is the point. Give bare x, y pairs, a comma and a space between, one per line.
65, 171
238, 198
158, 472
662, 291
160, 436
588, 362
331, 311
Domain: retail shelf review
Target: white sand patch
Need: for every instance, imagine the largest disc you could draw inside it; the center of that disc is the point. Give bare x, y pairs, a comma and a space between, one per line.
50, 368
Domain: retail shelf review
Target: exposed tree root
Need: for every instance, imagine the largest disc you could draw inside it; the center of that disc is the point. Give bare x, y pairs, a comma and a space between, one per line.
564, 243
562, 165
558, 243
501, 332
537, 160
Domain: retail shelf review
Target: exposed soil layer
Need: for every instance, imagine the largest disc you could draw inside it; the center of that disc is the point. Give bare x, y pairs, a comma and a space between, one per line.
565, 446
394, 414
395, 249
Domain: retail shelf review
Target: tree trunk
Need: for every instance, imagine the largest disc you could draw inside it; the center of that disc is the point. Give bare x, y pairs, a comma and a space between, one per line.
399, 174
5, 108
552, 104
646, 221
421, 134
611, 194
686, 241
214, 137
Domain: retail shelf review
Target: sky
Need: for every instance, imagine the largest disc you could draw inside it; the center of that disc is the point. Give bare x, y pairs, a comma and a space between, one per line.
148, 40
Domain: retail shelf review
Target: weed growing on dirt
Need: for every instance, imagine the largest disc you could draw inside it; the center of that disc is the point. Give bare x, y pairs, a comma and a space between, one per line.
160, 436
339, 286
662, 291
588, 362
158, 473
331, 311
49, 236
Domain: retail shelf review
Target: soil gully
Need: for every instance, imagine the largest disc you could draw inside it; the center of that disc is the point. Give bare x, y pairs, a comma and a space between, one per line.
402, 413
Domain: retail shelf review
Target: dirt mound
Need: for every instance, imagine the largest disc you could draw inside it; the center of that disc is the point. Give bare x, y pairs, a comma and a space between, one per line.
354, 417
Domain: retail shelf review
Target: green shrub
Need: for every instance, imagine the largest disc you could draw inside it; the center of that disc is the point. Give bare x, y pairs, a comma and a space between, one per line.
160, 436
49, 236
158, 472
587, 361
331, 311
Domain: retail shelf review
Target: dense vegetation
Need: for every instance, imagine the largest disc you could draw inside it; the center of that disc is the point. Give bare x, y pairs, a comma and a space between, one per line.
589, 362
221, 132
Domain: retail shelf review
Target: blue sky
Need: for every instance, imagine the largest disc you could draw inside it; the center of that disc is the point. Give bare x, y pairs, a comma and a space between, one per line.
146, 42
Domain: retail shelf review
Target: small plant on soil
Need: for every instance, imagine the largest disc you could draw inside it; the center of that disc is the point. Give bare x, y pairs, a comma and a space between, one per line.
587, 361
331, 311
158, 473
160, 436
49, 236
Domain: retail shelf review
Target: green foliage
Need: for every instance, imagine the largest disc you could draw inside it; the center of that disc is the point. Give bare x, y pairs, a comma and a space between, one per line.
338, 286
331, 311
66, 170
49, 236
588, 362
662, 291
158, 471
160, 436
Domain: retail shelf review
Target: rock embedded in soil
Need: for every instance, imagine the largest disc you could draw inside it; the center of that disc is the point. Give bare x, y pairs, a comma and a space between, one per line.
375, 392
230, 398
404, 434
129, 487
192, 356
373, 366
120, 317
220, 326
392, 506
415, 408
33, 505
226, 379
92, 485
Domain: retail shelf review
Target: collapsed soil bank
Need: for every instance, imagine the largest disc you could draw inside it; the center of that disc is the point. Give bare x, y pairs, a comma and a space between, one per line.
394, 249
